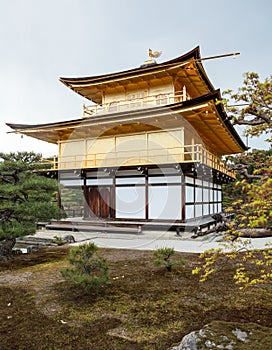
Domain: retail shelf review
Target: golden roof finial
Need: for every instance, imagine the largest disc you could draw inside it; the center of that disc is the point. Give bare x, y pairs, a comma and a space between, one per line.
154, 54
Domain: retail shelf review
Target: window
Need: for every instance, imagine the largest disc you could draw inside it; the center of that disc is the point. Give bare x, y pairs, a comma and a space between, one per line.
136, 99
164, 202
161, 99
198, 192
189, 194
130, 202
99, 182
113, 107
164, 179
136, 95
205, 195
189, 212
130, 180
205, 209
198, 210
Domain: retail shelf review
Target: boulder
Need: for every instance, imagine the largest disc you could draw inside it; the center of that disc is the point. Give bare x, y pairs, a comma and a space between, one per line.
189, 342
227, 336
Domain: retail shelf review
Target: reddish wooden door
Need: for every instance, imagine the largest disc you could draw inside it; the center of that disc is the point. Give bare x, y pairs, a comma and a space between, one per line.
104, 202
99, 202
94, 202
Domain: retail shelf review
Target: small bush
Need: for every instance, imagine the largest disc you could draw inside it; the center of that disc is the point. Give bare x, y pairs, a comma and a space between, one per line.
163, 258
90, 270
63, 240
58, 240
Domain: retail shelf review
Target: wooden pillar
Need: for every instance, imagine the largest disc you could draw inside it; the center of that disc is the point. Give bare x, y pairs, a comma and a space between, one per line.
184, 97
146, 195
182, 197
85, 189
113, 198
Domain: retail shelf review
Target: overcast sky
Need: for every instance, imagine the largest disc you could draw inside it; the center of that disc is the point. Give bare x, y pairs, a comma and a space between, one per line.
42, 40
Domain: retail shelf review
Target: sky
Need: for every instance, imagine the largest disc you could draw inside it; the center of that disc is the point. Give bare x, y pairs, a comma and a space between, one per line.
41, 41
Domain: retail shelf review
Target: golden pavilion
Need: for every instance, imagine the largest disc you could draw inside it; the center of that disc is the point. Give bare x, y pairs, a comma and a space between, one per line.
148, 147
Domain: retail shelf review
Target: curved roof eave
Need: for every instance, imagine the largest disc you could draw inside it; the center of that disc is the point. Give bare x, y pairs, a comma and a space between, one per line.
194, 55
215, 95
221, 110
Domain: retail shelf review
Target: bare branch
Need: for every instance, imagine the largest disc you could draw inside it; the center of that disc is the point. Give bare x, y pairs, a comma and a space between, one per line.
252, 233
243, 170
253, 122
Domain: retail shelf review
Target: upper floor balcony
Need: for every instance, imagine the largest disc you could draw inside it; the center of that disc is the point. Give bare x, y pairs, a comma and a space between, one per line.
176, 155
137, 100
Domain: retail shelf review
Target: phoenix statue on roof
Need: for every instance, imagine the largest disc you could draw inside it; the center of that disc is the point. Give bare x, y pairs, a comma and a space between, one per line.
154, 54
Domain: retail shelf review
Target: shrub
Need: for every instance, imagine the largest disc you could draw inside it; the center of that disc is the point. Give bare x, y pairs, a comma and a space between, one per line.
58, 240
163, 257
90, 270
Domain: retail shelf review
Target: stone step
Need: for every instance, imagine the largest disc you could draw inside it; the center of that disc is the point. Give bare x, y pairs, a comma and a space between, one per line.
77, 227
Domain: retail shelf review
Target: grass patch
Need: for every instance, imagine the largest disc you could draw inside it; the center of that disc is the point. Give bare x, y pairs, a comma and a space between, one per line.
144, 307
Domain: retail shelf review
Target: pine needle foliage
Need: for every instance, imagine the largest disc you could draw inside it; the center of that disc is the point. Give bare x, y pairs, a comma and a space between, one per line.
164, 257
89, 270
26, 196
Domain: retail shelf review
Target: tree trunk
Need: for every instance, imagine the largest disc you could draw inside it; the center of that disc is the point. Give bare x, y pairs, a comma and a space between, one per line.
221, 225
254, 233
6, 248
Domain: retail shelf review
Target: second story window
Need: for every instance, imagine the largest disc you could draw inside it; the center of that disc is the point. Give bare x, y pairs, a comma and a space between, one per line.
113, 107
137, 95
136, 99
161, 99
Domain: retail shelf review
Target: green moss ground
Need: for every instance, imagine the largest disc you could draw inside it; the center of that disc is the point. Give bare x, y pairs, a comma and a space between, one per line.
143, 308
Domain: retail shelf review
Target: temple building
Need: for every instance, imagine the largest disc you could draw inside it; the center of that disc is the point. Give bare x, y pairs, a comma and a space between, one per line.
148, 147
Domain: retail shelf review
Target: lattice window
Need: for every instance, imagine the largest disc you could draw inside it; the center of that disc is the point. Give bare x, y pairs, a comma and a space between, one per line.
161, 99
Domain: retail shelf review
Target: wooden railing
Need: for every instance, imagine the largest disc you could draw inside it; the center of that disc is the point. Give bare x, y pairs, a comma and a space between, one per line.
182, 154
137, 103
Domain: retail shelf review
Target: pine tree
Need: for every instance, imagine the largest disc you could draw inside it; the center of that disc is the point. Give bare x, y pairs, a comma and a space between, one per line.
26, 197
